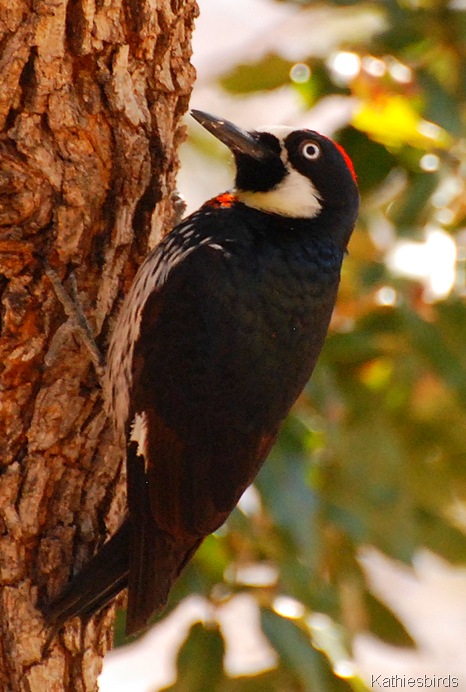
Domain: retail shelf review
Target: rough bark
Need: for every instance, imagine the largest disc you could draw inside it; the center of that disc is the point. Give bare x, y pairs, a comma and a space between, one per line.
91, 96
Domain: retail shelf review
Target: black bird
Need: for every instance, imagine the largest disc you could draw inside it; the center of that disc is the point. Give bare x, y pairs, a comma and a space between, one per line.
215, 341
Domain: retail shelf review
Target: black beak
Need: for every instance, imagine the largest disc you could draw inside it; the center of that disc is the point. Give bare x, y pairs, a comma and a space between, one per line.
236, 139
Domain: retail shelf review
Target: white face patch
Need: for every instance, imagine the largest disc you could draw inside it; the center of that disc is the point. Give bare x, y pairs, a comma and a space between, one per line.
139, 433
295, 196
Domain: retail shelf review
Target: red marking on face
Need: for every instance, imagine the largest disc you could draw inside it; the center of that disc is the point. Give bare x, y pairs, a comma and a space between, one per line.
348, 161
223, 201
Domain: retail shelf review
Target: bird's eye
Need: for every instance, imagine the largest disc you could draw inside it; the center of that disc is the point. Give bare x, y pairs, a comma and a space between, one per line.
310, 150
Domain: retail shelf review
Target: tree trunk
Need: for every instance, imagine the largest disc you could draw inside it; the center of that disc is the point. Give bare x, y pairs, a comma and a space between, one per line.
91, 96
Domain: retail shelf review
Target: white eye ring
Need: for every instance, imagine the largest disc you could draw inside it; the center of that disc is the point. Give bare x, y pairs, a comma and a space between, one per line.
311, 151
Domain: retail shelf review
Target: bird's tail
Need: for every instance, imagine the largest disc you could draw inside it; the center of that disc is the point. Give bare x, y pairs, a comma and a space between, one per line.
147, 560
139, 556
156, 557
156, 562
104, 576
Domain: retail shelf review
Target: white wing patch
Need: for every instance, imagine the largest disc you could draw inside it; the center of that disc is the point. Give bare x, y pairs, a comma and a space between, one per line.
139, 433
119, 378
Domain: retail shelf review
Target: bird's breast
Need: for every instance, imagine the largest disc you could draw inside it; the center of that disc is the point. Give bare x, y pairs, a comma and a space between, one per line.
240, 331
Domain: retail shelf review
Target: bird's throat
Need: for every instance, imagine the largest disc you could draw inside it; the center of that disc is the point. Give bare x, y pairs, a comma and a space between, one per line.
295, 197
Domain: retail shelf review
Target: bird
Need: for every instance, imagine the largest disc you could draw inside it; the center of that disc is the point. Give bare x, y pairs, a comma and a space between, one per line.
216, 339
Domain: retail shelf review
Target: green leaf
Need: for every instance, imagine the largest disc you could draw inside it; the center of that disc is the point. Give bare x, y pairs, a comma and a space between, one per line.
441, 105
412, 210
372, 161
271, 72
200, 661
297, 653
428, 340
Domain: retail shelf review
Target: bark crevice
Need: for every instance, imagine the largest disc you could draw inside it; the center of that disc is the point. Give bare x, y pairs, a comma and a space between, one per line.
90, 121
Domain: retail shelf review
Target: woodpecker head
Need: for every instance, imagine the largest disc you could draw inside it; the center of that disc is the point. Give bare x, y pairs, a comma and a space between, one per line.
294, 173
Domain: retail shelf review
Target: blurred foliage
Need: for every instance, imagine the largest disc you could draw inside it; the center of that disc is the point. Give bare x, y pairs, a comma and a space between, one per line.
375, 450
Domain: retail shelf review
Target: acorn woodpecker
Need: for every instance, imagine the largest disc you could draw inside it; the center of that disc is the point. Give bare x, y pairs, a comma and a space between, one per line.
216, 339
